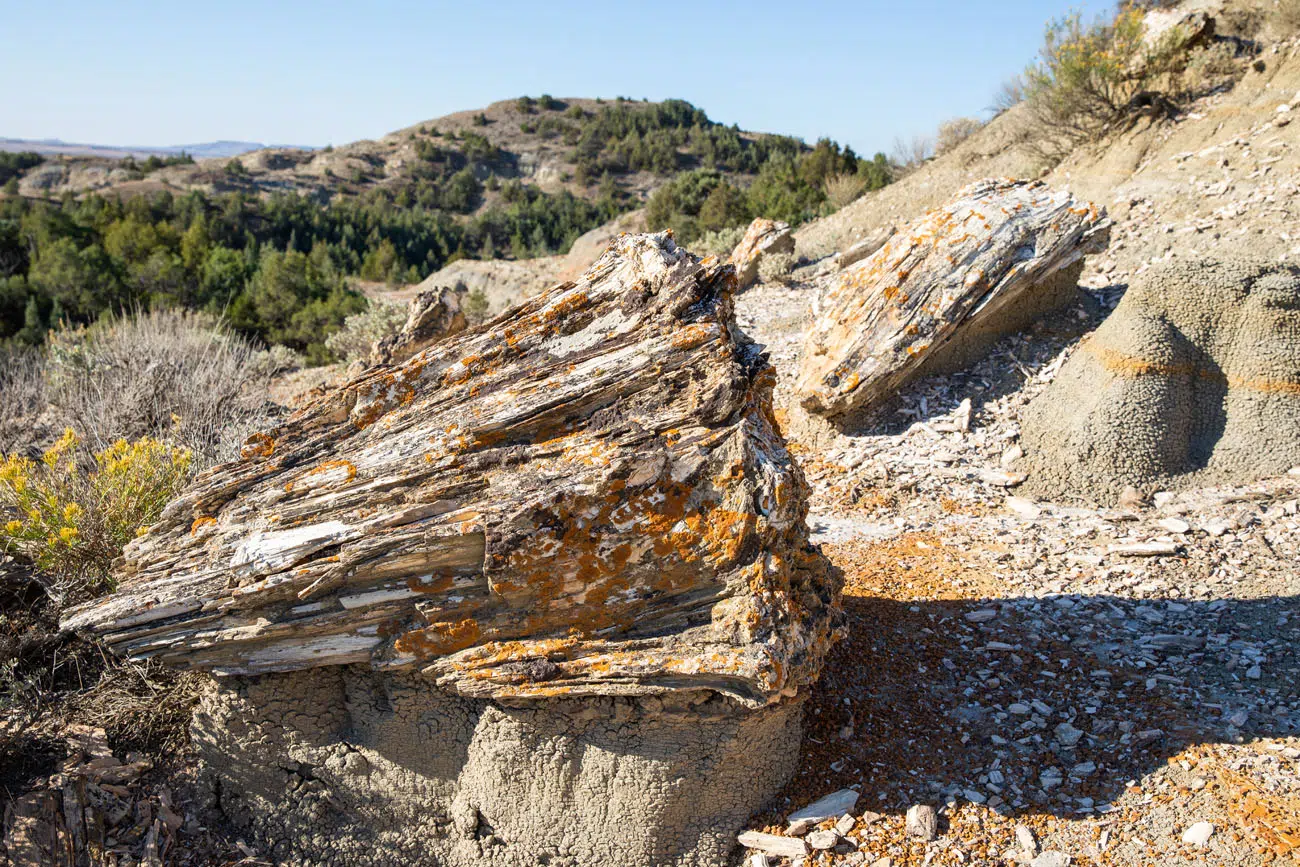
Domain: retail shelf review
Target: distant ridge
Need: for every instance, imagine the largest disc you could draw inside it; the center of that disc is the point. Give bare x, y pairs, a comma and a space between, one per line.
203, 150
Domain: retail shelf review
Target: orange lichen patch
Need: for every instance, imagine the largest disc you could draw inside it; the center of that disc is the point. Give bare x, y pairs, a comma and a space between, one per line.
1123, 364
200, 523
439, 639
694, 335
258, 445
565, 306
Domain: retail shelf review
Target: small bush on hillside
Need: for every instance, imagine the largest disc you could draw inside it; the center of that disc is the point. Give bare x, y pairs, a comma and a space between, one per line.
479, 119
72, 520
1089, 77
1009, 94
162, 374
719, 243
1212, 65
954, 132
842, 189
909, 154
360, 331
776, 267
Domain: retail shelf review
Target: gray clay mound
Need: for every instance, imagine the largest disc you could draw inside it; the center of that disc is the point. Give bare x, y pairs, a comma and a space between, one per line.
1194, 379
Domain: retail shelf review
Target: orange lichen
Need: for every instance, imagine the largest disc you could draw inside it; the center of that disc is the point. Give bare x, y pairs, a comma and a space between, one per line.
258, 445
200, 523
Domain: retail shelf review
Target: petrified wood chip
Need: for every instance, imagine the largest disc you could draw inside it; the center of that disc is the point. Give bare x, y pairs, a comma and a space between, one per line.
973, 264
587, 495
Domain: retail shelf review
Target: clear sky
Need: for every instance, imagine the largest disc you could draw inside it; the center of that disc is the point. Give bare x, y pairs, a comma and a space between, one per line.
327, 72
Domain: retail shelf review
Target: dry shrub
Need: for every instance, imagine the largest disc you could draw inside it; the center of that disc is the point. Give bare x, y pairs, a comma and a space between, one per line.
954, 132
1009, 94
22, 395
776, 267
719, 243
361, 331
910, 154
165, 374
843, 188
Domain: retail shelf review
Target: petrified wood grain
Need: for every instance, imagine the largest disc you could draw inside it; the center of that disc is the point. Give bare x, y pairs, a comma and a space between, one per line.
763, 237
587, 495
975, 261
431, 316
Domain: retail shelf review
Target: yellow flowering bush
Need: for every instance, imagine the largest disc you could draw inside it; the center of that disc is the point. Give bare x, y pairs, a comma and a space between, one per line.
1088, 76
72, 518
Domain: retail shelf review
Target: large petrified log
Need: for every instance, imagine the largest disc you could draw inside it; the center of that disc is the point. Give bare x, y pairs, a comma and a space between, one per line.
1194, 379
939, 292
585, 496
540, 594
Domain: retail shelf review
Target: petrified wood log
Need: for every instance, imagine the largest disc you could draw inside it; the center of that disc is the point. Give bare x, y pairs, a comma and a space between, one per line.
943, 289
584, 496
431, 316
763, 237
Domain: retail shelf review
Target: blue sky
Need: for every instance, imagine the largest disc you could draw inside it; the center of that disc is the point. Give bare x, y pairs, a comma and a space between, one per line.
324, 72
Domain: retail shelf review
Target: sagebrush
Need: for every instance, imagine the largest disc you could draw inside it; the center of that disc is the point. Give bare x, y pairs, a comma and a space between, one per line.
162, 374
354, 341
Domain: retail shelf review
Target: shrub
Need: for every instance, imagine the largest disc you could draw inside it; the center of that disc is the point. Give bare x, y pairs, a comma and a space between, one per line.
1210, 66
72, 522
719, 243
360, 331
22, 394
776, 267
1009, 94
954, 132
476, 306
479, 119
909, 154
159, 374
1088, 76
842, 189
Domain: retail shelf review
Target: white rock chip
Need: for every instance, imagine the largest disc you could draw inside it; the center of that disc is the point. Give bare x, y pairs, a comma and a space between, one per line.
773, 844
922, 822
829, 807
1199, 834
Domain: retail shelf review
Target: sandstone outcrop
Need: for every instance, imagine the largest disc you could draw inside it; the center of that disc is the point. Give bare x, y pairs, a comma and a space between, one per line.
942, 290
549, 576
431, 316
763, 237
1193, 379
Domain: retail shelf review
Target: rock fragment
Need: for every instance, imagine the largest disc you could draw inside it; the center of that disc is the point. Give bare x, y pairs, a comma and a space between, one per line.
1198, 834
773, 844
922, 822
764, 237
833, 805
431, 316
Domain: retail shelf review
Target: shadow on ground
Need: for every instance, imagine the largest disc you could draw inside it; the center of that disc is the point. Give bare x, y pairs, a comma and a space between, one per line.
1045, 705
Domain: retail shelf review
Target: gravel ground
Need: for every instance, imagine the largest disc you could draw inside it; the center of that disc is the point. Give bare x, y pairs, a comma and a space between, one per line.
1062, 685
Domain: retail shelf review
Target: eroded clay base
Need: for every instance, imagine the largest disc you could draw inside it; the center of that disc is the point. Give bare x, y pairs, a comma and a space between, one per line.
345, 766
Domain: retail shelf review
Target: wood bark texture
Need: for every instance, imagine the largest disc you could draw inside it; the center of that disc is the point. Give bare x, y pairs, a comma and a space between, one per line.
970, 261
587, 495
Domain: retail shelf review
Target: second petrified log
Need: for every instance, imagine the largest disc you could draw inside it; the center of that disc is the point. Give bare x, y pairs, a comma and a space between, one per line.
585, 496
1000, 254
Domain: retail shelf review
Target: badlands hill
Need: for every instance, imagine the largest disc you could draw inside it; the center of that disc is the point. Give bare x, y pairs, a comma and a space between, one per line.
569, 144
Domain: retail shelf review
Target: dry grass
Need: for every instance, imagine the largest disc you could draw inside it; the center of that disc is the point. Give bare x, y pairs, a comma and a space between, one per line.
842, 189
